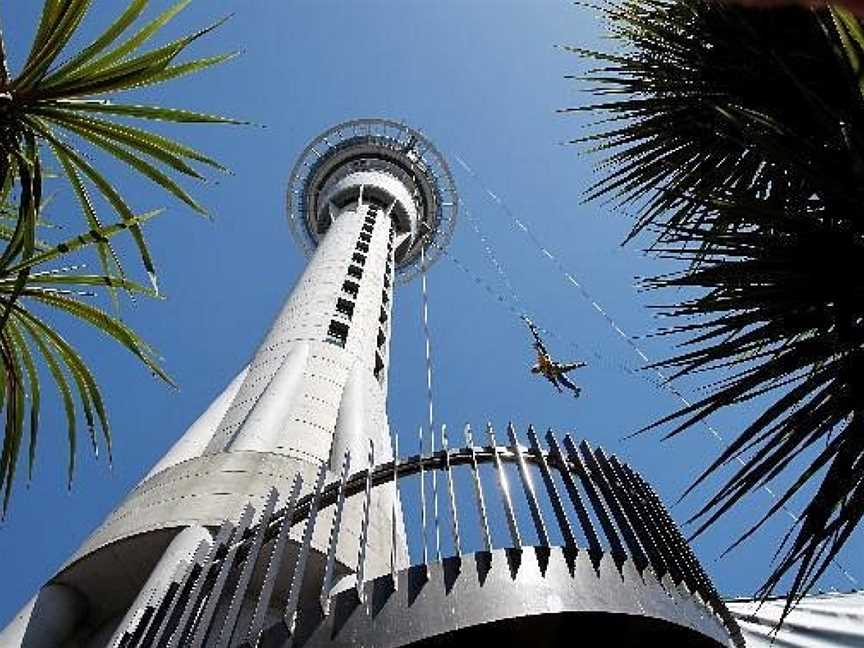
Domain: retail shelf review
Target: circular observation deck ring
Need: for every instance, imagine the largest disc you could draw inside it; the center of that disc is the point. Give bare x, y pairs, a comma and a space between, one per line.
387, 146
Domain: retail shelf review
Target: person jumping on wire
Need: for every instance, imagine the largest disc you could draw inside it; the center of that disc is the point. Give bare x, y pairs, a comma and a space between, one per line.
555, 372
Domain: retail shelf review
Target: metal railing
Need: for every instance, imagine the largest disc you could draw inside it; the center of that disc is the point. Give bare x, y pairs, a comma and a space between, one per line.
573, 496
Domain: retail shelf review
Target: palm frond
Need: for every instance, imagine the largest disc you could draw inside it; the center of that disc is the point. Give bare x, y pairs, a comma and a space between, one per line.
59, 104
737, 138
27, 340
50, 100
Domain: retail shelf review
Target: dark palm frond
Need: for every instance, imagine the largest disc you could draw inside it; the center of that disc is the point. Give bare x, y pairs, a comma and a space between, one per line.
737, 137
785, 307
28, 341
709, 99
60, 105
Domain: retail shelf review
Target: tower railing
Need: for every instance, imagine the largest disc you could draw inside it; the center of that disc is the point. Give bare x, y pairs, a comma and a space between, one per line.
569, 496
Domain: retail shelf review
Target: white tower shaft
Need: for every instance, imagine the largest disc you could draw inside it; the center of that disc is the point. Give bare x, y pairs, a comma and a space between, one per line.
315, 390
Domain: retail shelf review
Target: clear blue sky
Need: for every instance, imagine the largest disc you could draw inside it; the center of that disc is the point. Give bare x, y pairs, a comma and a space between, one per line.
482, 79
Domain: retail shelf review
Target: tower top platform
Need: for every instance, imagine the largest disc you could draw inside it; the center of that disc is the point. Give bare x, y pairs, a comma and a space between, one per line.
382, 161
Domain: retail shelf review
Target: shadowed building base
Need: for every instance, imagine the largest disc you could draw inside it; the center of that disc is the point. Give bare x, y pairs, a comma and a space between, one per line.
551, 599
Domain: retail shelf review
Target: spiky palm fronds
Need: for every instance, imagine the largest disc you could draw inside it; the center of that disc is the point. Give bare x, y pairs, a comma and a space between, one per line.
58, 108
54, 104
30, 344
785, 312
709, 99
737, 137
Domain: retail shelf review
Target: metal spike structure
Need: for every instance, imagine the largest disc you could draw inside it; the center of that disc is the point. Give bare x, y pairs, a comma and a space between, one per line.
677, 606
277, 519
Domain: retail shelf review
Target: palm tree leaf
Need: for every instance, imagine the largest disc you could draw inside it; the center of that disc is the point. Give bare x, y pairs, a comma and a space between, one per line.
100, 234
14, 428
47, 20
107, 37
112, 327
156, 113
165, 150
142, 166
58, 34
39, 337
44, 279
108, 258
106, 189
190, 67
134, 42
33, 390
31, 199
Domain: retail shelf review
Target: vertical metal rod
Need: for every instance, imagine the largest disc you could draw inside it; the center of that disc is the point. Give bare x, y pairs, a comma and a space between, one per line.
454, 516
247, 565
615, 546
552, 490
594, 546
364, 529
153, 616
698, 580
676, 562
141, 616
528, 488
394, 558
289, 616
650, 538
504, 487
423, 503
628, 510
222, 576
195, 595
435, 501
637, 554
156, 604
182, 595
274, 562
478, 490
327, 580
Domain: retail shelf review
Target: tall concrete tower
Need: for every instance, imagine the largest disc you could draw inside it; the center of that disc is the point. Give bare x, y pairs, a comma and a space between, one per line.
282, 517
363, 199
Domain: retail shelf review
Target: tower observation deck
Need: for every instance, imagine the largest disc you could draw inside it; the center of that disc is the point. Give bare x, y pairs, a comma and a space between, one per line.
280, 516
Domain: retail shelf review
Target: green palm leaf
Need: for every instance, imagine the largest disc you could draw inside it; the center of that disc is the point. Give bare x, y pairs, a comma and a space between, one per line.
28, 339
47, 97
53, 100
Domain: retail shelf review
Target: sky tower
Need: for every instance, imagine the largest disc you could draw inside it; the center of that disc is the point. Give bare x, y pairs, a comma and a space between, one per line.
283, 516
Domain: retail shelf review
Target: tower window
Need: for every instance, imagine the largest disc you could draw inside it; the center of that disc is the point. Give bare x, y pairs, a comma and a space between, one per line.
379, 367
382, 339
365, 237
362, 247
355, 271
351, 288
367, 228
385, 297
358, 258
337, 333
345, 307
387, 280
383, 317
